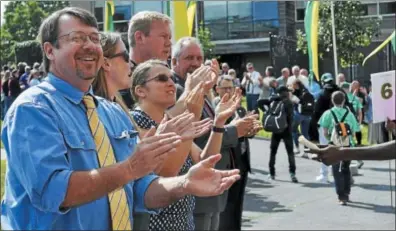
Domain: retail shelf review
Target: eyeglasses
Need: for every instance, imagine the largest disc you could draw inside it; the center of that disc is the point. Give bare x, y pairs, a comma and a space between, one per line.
132, 64
160, 78
227, 88
124, 55
81, 38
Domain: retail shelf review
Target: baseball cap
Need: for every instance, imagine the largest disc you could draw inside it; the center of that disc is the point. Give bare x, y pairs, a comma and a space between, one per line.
326, 77
345, 85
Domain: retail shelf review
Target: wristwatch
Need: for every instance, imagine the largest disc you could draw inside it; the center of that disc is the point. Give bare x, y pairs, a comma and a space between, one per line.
218, 130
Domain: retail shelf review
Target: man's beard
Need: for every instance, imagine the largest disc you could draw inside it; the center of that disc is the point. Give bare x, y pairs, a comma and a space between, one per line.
81, 75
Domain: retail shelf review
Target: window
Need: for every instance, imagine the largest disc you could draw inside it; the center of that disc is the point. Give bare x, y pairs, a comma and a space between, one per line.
215, 11
300, 4
300, 14
122, 12
99, 10
239, 11
99, 14
369, 9
387, 8
148, 5
241, 19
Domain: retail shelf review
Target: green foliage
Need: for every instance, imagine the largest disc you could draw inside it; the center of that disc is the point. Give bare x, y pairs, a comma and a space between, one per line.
7, 53
22, 23
205, 38
352, 32
28, 51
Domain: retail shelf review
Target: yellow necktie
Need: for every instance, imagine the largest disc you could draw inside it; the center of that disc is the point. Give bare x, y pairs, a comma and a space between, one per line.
118, 201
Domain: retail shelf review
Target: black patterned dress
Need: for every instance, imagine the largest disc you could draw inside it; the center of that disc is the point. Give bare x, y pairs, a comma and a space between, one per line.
179, 215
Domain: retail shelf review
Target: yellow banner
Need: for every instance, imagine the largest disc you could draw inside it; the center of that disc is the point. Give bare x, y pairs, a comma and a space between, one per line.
179, 16
380, 47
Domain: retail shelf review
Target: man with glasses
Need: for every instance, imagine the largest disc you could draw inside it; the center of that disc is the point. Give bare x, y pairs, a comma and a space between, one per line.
187, 58
231, 217
88, 172
252, 82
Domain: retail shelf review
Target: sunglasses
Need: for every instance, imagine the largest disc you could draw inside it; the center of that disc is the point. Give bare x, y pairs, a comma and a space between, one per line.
124, 55
160, 78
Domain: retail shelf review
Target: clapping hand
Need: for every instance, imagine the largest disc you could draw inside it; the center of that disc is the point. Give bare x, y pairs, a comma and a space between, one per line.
152, 150
227, 106
195, 100
201, 74
184, 126
204, 180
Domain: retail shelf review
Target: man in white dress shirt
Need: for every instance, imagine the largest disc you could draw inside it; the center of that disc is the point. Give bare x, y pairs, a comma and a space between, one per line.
252, 82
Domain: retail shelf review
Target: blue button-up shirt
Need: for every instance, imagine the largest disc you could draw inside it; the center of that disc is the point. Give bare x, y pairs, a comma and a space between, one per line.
47, 137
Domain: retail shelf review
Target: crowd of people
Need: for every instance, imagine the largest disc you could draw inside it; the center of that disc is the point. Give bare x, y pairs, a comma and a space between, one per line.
15, 79
127, 139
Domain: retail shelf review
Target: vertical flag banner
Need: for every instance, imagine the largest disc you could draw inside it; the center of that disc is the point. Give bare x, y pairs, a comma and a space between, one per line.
178, 10
311, 23
109, 12
191, 11
391, 39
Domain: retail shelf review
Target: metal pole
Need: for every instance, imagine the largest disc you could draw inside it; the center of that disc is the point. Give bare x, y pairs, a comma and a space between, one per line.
196, 20
334, 43
390, 172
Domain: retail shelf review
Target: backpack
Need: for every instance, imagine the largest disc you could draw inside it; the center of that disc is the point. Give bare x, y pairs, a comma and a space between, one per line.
342, 132
275, 120
307, 104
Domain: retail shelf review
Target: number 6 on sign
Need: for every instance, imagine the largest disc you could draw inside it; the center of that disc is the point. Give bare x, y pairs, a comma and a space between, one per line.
386, 91
383, 97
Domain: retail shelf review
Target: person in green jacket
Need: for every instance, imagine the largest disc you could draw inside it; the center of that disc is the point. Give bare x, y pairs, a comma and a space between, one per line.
328, 121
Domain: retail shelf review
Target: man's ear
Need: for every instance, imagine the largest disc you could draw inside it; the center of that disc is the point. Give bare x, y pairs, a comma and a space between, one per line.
106, 64
48, 51
139, 37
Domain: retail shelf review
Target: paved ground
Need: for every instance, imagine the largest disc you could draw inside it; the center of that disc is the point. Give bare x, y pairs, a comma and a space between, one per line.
309, 205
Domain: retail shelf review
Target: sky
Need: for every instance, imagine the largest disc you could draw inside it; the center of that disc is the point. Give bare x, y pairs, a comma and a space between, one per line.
3, 4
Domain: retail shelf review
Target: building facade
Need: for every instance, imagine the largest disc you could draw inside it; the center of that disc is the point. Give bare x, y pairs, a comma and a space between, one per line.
241, 29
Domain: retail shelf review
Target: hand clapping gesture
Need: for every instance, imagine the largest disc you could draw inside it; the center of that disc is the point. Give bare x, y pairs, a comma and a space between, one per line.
227, 106
185, 126
204, 180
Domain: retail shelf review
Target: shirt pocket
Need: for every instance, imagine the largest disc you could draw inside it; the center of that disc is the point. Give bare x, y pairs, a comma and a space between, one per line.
123, 142
80, 141
81, 151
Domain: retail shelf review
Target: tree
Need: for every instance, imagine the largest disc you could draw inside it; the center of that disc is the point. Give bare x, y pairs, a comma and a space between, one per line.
205, 38
353, 32
22, 23
7, 52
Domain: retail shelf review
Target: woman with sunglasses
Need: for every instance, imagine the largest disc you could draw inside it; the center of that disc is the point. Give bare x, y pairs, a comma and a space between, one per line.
114, 75
154, 91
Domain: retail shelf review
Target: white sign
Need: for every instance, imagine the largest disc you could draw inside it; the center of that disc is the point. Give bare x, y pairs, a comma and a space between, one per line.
383, 96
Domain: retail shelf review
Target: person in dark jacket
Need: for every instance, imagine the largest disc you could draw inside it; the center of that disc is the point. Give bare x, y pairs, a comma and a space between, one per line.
231, 217
283, 94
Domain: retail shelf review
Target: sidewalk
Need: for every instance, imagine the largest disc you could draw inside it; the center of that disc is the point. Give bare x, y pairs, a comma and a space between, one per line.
309, 205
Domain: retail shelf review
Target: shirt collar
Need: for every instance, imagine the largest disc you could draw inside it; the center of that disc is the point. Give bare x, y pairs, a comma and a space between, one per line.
67, 90
178, 80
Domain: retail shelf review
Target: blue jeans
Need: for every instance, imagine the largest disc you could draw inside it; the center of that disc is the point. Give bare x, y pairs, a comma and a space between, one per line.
5, 105
304, 121
251, 101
